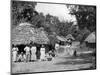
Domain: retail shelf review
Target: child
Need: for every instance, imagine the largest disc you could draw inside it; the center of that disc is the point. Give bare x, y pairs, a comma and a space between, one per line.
24, 57
50, 56
20, 57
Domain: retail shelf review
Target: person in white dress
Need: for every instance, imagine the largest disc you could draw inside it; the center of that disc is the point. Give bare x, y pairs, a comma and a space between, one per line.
56, 48
27, 50
14, 53
42, 53
33, 53
68, 49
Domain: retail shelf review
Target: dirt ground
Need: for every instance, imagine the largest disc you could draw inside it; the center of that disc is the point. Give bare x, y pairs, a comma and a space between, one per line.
80, 62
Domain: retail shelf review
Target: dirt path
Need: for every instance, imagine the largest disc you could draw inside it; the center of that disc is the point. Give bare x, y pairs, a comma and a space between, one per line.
57, 64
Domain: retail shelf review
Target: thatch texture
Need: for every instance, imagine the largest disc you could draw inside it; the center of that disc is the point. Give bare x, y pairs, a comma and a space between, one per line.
69, 36
91, 38
61, 38
24, 34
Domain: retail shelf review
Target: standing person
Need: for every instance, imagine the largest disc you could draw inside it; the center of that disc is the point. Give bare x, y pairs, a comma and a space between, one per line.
14, 53
68, 49
42, 53
56, 46
69, 41
33, 53
38, 52
27, 50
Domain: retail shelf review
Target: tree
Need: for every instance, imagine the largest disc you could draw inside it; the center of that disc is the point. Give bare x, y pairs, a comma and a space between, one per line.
51, 23
85, 15
64, 28
22, 11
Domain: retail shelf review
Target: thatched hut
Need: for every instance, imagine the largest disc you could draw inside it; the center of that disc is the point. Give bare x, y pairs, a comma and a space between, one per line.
24, 34
91, 40
61, 39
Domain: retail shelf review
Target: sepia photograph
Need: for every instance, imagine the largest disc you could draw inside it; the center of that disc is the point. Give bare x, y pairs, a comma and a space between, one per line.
52, 37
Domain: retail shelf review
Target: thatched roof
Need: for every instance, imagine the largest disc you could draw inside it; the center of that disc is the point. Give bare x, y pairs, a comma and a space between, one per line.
25, 23
69, 36
91, 38
24, 34
61, 38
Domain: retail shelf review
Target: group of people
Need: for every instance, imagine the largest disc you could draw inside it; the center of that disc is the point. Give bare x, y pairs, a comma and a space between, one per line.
30, 54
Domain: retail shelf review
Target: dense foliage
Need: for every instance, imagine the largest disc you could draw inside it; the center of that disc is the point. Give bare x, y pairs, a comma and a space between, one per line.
85, 15
86, 19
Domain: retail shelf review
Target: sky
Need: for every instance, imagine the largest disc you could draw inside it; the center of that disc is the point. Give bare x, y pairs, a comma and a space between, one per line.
59, 10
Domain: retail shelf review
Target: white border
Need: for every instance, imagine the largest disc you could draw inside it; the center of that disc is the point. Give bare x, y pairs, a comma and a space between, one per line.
5, 36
